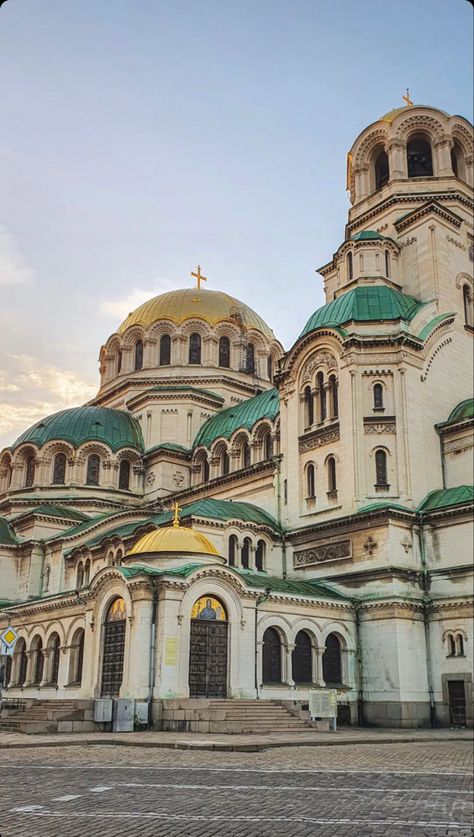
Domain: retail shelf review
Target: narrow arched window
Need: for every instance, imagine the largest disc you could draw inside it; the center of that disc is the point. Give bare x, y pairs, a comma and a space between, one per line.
119, 361
267, 446
467, 300
225, 462
333, 388
260, 556
77, 657
460, 645
310, 481
308, 407
382, 171
54, 647
80, 576
387, 264
195, 348
378, 397
46, 577
331, 466
350, 267
321, 396
419, 157
332, 668
232, 555
381, 468
452, 646
250, 359
87, 571
245, 555
138, 355
458, 161
22, 661
29, 471
205, 471
302, 659
224, 352
270, 368
245, 454
93, 469
124, 475
59, 469
165, 350
271, 656
38, 660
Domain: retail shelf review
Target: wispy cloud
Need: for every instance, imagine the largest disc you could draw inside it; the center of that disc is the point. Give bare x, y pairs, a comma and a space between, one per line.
31, 389
13, 268
119, 309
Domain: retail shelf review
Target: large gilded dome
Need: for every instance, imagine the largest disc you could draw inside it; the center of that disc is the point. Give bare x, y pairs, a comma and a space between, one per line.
211, 306
173, 539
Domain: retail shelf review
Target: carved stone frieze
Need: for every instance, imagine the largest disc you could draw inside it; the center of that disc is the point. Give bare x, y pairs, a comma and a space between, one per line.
456, 242
319, 438
336, 551
321, 358
376, 428
458, 445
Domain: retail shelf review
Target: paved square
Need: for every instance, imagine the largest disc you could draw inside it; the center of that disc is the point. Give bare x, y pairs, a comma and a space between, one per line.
102, 791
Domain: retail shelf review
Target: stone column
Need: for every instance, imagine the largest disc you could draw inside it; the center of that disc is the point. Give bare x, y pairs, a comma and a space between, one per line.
287, 673
442, 155
31, 657
318, 675
397, 160
149, 353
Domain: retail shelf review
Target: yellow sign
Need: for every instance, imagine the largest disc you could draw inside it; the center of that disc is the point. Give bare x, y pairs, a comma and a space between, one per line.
171, 650
208, 607
9, 636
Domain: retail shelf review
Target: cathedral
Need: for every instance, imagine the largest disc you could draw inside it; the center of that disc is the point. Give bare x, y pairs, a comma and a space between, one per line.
229, 521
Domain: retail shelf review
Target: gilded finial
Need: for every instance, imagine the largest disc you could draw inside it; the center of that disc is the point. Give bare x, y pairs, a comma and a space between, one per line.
176, 510
406, 98
199, 278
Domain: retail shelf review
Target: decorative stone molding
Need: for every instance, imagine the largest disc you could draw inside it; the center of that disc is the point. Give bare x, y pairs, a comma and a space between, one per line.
379, 427
410, 240
456, 242
370, 545
320, 358
318, 438
438, 349
406, 543
336, 551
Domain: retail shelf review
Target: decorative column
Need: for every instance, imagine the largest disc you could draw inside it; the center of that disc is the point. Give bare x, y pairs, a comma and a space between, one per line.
318, 674
397, 160
444, 166
361, 182
31, 657
149, 353
288, 665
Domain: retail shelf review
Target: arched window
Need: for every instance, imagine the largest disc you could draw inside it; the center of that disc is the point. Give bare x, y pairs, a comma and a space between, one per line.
46, 578
308, 407
310, 481
138, 355
378, 397
245, 454
302, 659
332, 482
245, 554
30, 471
381, 469
38, 660
59, 469
260, 556
77, 657
54, 647
232, 550
124, 475
8, 671
205, 472
321, 396
452, 646
93, 469
270, 368
80, 576
21, 661
224, 352
419, 157
87, 572
457, 161
332, 668
225, 462
382, 171
468, 308
165, 350
119, 361
250, 359
387, 264
333, 389
350, 267
267, 446
195, 348
460, 645
271, 656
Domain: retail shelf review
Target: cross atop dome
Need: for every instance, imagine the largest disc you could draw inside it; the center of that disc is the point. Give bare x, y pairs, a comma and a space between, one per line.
406, 99
198, 276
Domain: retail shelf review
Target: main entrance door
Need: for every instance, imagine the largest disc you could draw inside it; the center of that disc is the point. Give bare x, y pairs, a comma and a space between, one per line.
457, 703
208, 649
113, 648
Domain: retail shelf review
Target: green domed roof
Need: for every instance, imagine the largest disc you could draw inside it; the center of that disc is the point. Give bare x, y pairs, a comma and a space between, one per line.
464, 410
365, 304
245, 415
115, 428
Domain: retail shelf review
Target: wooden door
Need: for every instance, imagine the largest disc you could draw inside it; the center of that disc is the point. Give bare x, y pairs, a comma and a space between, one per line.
208, 659
457, 703
112, 663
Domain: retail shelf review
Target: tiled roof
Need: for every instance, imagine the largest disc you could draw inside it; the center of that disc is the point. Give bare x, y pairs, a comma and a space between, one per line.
365, 304
244, 415
445, 497
115, 428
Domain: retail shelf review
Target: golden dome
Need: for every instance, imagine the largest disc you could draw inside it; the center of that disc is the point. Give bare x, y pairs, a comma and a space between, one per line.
211, 306
174, 539
390, 116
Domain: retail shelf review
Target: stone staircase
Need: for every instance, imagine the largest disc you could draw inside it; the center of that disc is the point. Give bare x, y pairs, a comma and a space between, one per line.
231, 717
47, 716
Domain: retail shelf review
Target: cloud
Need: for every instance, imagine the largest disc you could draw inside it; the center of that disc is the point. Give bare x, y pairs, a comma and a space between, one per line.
119, 309
13, 268
31, 389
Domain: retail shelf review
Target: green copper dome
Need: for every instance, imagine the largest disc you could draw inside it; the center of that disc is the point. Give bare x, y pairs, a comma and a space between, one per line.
264, 405
464, 410
115, 428
364, 304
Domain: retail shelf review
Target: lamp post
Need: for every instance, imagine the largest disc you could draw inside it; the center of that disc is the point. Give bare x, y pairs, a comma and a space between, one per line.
262, 598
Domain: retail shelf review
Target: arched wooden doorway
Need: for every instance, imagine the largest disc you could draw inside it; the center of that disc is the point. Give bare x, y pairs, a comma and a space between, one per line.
114, 648
208, 649
302, 659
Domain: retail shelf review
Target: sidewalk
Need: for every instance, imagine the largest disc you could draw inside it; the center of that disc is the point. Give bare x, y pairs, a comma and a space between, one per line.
236, 743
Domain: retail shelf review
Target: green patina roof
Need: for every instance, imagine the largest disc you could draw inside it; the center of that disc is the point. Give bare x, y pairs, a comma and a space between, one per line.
222, 510
428, 328
365, 304
82, 527
115, 428
464, 410
184, 388
54, 511
244, 415
6, 534
384, 504
131, 571
369, 235
173, 446
444, 497
313, 589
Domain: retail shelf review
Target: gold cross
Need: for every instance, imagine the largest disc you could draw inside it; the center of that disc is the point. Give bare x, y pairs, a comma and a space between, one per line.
406, 98
177, 510
198, 276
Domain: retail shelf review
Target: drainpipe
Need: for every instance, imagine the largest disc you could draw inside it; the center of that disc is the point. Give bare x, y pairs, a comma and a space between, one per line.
425, 584
262, 598
360, 690
277, 460
443, 460
152, 664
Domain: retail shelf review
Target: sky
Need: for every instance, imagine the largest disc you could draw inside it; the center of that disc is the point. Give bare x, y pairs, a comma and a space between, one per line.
139, 139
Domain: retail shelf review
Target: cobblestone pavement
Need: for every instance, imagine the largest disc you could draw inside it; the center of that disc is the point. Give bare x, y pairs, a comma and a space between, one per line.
102, 791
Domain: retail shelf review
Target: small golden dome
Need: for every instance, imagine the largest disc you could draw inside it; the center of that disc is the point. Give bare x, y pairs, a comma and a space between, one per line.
390, 116
211, 306
174, 539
